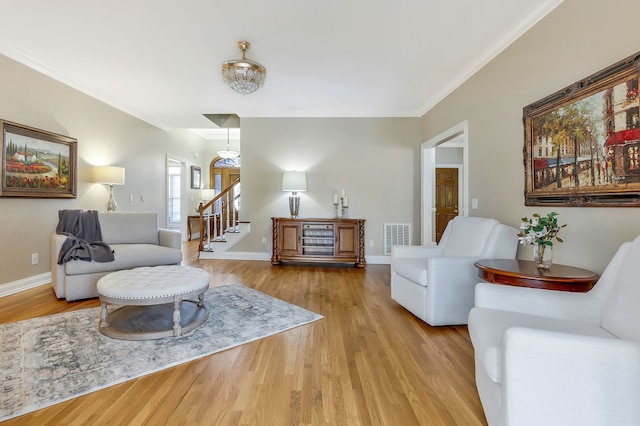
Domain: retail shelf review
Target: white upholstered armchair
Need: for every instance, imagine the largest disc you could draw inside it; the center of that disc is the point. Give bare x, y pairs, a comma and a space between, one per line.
435, 283
550, 358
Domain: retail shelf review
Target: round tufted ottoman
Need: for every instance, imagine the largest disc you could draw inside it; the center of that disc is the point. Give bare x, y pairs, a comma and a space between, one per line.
150, 300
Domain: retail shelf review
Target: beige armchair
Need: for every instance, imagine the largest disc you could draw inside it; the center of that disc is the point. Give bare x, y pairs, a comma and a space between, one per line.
435, 283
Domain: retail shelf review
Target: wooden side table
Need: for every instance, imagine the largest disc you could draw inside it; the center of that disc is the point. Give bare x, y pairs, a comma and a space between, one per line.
524, 273
189, 219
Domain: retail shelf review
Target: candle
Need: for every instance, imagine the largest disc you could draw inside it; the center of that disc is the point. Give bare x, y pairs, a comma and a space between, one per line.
345, 201
335, 198
342, 193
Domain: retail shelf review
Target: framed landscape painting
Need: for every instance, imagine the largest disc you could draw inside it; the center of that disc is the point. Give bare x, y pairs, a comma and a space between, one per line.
582, 143
37, 163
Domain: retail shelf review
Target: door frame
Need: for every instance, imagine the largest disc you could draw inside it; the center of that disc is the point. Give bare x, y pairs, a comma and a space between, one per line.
184, 203
456, 136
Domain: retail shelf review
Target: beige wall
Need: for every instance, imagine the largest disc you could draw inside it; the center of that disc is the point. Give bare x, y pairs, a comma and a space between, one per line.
577, 39
374, 159
105, 136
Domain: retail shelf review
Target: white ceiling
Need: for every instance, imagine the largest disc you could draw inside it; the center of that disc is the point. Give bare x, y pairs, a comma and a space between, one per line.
159, 60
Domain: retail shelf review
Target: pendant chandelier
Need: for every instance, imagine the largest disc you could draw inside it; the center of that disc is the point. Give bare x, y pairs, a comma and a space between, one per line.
243, 75
228, 154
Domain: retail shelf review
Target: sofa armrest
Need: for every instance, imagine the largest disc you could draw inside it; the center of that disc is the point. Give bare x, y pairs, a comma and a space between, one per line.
169, 238
404, 252
580, 307
57, 271
553, 378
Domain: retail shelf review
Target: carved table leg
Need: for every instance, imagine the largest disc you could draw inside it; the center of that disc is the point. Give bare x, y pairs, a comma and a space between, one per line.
104, 314
177, 329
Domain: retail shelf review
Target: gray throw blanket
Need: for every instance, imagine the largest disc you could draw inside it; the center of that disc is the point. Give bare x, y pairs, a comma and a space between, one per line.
84, 237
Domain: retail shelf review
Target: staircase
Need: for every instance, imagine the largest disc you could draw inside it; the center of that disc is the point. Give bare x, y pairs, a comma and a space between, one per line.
219, 226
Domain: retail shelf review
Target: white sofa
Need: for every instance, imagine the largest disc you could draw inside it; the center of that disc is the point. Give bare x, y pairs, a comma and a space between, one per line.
435, 283
136, 241
549, 358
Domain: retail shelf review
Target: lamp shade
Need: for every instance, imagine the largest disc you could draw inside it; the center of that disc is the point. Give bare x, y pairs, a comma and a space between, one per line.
110, 175
294, 181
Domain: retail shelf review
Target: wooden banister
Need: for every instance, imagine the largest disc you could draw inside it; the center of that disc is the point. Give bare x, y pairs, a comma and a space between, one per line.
223, 195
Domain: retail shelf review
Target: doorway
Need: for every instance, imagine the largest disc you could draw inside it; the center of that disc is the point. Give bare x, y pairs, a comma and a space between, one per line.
174, 186
176, 196
223, 173
455, 137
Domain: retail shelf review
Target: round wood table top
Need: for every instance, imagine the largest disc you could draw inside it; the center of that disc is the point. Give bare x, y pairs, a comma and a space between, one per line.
524, 273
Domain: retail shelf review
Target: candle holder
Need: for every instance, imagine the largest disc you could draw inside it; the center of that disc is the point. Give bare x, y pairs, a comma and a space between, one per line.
344, 201
335, 210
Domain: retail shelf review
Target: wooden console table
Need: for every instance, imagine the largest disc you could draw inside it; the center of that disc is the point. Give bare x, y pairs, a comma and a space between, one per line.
189, 219
318, 240
524, 273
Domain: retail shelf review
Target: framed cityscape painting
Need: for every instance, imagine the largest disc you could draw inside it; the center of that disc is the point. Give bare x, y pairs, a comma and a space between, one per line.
37, 163
582, 143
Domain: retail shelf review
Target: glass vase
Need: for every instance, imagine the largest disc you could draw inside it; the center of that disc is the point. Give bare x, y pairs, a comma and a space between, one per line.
542, 255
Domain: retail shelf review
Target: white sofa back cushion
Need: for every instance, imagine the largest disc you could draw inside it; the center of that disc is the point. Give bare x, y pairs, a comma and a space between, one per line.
129, 227
621, 313
467, 236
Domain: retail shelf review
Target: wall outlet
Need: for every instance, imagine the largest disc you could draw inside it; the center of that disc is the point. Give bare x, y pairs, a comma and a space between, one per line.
264, 241
474, 203
143, 198
131, 198
34, 259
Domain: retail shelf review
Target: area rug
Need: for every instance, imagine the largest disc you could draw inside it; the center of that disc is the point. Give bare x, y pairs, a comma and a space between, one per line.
47, 360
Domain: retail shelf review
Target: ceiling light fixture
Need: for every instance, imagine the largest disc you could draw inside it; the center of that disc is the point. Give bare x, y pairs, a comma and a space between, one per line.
228, 153
243, 75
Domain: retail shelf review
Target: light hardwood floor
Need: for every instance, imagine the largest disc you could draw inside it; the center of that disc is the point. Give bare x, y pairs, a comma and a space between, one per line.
368, 362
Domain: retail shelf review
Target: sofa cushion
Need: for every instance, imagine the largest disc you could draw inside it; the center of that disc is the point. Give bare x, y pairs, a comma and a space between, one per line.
129, 227
127, 256
412, 269
487, 327
621, 313
468, 236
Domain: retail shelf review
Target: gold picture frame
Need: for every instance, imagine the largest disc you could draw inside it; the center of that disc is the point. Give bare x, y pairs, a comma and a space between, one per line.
37, 163
582, 143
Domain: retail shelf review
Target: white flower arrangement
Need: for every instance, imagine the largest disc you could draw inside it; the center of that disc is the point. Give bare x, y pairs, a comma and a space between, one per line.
540, 229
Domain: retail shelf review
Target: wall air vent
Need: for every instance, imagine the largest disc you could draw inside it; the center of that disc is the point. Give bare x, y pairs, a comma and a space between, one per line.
396, 234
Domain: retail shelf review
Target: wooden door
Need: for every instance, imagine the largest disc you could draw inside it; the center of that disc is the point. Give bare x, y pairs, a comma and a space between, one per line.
446, 198
227, 176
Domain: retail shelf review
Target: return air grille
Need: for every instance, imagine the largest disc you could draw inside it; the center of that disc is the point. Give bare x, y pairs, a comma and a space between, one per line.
396, 234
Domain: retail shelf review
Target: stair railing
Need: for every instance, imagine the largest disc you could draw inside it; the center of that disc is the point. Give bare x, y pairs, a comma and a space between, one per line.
223, 212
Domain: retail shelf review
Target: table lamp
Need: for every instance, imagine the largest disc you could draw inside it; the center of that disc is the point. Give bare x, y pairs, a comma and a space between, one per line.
109, 175
294, 182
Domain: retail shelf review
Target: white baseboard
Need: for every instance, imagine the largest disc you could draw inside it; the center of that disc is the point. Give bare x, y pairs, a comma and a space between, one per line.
378, 260
25, 284
245, 255
235, 255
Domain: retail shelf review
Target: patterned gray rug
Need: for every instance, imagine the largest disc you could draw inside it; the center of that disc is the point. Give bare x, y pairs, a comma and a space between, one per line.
47, 360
